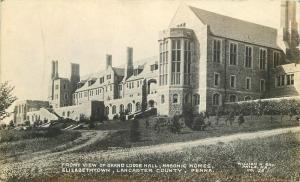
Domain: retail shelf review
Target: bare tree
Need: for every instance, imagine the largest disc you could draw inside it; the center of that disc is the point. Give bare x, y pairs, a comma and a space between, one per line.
6, 98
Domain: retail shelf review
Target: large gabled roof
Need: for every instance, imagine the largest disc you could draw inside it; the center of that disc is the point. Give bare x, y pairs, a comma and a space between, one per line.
236, 29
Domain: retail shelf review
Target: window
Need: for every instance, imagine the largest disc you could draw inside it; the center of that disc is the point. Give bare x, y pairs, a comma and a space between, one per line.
233, 54
121, 108
187, 62
196, 99
216, 51
63, 114
290, 79
162, 99
175, 98
101, 80
247, 98
129, 107
114, 109
137, 106
232, 98
278, 81
56, 87
248, 58
110, 87
276, 59
262, 85
138, 83
216, 99
64, 86
232, 81
107, 110
282, 80
187, 98
262, 59
108, 76
176, 59
66, 96
163, 63
248, 83
216, 79
68, 114
153, 67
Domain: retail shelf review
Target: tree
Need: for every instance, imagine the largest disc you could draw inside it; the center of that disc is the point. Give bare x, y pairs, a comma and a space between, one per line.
6, 99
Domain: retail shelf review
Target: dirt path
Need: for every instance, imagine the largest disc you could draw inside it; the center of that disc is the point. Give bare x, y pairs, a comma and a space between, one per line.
50, 163
180, 146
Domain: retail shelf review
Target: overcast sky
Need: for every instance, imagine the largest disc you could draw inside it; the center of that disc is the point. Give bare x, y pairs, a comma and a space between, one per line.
34, 32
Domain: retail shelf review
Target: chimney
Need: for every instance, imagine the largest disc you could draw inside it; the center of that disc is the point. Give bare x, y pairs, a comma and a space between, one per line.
108, 60
129, 62
52, 69
56, 69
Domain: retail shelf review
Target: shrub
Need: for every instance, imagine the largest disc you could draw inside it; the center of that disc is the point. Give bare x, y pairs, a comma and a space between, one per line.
175, 126
116, 117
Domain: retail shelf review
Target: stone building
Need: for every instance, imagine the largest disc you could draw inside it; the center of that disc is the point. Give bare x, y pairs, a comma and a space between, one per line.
22, 108
204, 60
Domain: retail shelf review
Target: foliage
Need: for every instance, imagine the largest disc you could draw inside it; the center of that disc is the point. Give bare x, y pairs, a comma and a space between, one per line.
6, 98
175, 126
14, 135
268, 107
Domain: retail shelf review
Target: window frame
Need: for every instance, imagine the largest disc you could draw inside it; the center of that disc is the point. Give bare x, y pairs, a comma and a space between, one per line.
266, 59
213, 51
236, 54
234, 86
219, 79
250, 83
245, 58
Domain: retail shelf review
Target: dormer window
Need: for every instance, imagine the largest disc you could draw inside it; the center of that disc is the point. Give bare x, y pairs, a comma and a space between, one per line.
154, 67
101, 80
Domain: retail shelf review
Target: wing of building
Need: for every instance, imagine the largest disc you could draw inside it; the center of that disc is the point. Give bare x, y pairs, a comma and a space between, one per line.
204, 60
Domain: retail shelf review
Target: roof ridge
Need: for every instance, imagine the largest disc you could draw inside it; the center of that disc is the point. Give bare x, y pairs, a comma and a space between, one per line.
226, 16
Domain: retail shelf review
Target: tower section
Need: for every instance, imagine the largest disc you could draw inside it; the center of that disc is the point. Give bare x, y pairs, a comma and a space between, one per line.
175, 62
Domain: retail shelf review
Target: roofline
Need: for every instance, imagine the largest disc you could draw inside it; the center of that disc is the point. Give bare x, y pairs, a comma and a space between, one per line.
245, 21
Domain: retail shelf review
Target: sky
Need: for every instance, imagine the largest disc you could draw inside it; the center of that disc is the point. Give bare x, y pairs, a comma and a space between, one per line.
34, 32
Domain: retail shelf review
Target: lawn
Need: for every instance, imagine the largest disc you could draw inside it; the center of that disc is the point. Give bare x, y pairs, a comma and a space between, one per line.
14, 143
148, 135
281, 152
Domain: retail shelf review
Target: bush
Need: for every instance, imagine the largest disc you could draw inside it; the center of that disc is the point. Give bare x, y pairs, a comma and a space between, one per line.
198, 123
116, 117
175, 126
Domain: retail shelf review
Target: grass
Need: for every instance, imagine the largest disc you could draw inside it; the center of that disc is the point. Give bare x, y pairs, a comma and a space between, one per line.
151, 137
281, 150
14, 143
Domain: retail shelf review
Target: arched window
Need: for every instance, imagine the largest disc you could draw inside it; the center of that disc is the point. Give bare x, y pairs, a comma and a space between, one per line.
68, 113
247, 98
187, 98
137, 106
63, 114
121, 108
114, 109
232, 98
162, 99
175, 98
107, 110
129, 107
216, 99
196, 99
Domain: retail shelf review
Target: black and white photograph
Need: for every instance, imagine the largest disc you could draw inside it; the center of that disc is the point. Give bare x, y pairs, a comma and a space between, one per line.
140, 90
